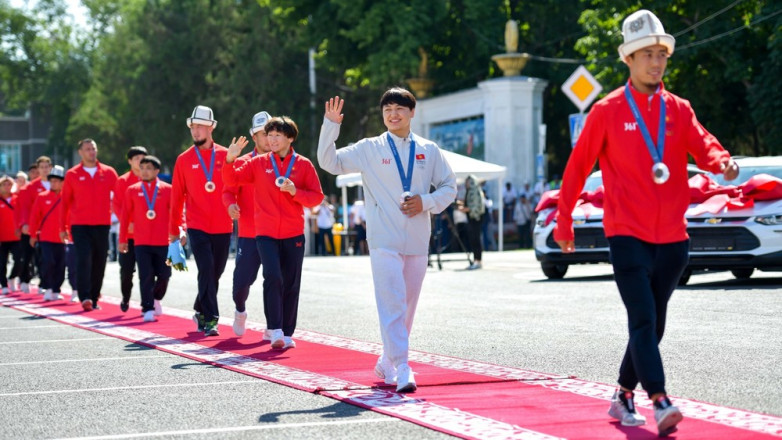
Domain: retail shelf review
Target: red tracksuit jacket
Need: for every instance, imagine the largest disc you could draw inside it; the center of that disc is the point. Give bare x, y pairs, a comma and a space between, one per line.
633, 204
204, 210
278, 214
117, 202
27, 195
244, 196
8, 216
146, 232
86, 200
46, 209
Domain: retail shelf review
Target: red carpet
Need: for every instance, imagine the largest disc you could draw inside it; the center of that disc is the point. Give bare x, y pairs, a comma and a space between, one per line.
461, 397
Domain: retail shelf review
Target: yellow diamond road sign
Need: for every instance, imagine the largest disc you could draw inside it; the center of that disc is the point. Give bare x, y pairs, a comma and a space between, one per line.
582, 88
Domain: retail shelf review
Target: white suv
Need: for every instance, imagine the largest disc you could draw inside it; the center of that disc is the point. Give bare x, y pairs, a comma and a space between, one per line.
739, 240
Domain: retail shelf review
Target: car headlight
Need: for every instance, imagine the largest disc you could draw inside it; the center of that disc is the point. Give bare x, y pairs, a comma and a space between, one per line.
769, 220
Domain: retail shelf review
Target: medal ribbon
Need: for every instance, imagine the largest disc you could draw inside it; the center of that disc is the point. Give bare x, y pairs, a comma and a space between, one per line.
655, 151
290, 164
407, 180
150, 203
207, 172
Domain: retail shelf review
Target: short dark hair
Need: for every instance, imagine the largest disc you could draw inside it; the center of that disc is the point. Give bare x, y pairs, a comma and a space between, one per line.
33, 166
153, 160
398, 95
84, 141
136, 150
284, 125
43, 159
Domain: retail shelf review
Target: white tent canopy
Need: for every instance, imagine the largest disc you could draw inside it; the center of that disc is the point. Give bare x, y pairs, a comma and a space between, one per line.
461, 165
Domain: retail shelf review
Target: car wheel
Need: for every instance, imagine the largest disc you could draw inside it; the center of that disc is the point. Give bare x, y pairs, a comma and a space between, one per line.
554, 271
742, 274
685, 278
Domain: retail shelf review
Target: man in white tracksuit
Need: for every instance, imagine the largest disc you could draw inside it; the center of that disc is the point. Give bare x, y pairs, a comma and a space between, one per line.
397, 182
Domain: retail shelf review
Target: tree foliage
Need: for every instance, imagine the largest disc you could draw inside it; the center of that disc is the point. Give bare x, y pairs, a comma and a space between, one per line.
137, 71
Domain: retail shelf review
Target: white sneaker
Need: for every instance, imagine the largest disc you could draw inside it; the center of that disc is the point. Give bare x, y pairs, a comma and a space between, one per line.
384, 369
46, 295
667, 417
474, 266
158, 308
14, 284
277, 338
267, 335
6, 291
149, 316
289, 343
405, 380
74, 295
625, 413
54, 296
240, 318
25, 288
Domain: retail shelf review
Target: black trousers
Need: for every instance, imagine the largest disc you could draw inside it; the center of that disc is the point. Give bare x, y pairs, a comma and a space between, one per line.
646, 275
210, 252
52, 265
6, 248
70, 263
91, 243
153, 273
474, 234
282, 262
127, 266
27, 259
248, 261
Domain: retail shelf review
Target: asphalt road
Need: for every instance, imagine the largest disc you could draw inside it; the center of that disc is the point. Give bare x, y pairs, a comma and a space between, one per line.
723, 345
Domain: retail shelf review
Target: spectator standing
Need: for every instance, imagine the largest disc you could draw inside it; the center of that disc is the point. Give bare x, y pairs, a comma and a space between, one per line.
523, 216
197, 190
509, 196
86, 216
359, 216
474, 207
127, 260
325, 219
642, 134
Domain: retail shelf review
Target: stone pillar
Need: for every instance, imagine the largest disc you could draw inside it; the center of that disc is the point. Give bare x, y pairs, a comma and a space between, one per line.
513, 112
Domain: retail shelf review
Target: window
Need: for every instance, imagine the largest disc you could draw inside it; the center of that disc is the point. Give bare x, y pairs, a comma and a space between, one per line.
10, 158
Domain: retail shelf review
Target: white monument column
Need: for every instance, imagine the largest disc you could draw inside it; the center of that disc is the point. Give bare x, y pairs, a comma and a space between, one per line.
513, 113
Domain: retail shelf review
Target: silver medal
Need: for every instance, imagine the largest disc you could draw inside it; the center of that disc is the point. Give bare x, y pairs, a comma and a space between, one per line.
151, 214
210, 186
660, 173
280, 181
405, 197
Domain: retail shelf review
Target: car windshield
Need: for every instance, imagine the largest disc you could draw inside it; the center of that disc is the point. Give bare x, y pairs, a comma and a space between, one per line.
593, 182
745, 172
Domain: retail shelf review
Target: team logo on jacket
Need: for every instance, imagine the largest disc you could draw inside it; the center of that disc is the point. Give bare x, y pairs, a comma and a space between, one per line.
269, 170
386, 161
631, 126
82, 178
420, 159
195, 166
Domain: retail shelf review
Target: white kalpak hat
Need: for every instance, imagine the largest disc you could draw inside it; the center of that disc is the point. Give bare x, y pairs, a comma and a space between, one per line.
202, 115
643, 29
259, 120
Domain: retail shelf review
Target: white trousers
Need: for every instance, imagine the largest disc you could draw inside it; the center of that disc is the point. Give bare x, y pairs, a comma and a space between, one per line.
398, 279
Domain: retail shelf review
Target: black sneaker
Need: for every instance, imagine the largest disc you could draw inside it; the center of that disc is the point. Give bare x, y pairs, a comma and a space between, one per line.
198, 318
667, 416
124, 306
210, 328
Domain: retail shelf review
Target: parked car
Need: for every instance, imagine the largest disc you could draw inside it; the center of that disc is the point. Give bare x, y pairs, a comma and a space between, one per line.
590, 240
739, 240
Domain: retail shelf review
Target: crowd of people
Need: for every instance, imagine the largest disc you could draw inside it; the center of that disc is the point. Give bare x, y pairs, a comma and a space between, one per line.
66, 215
